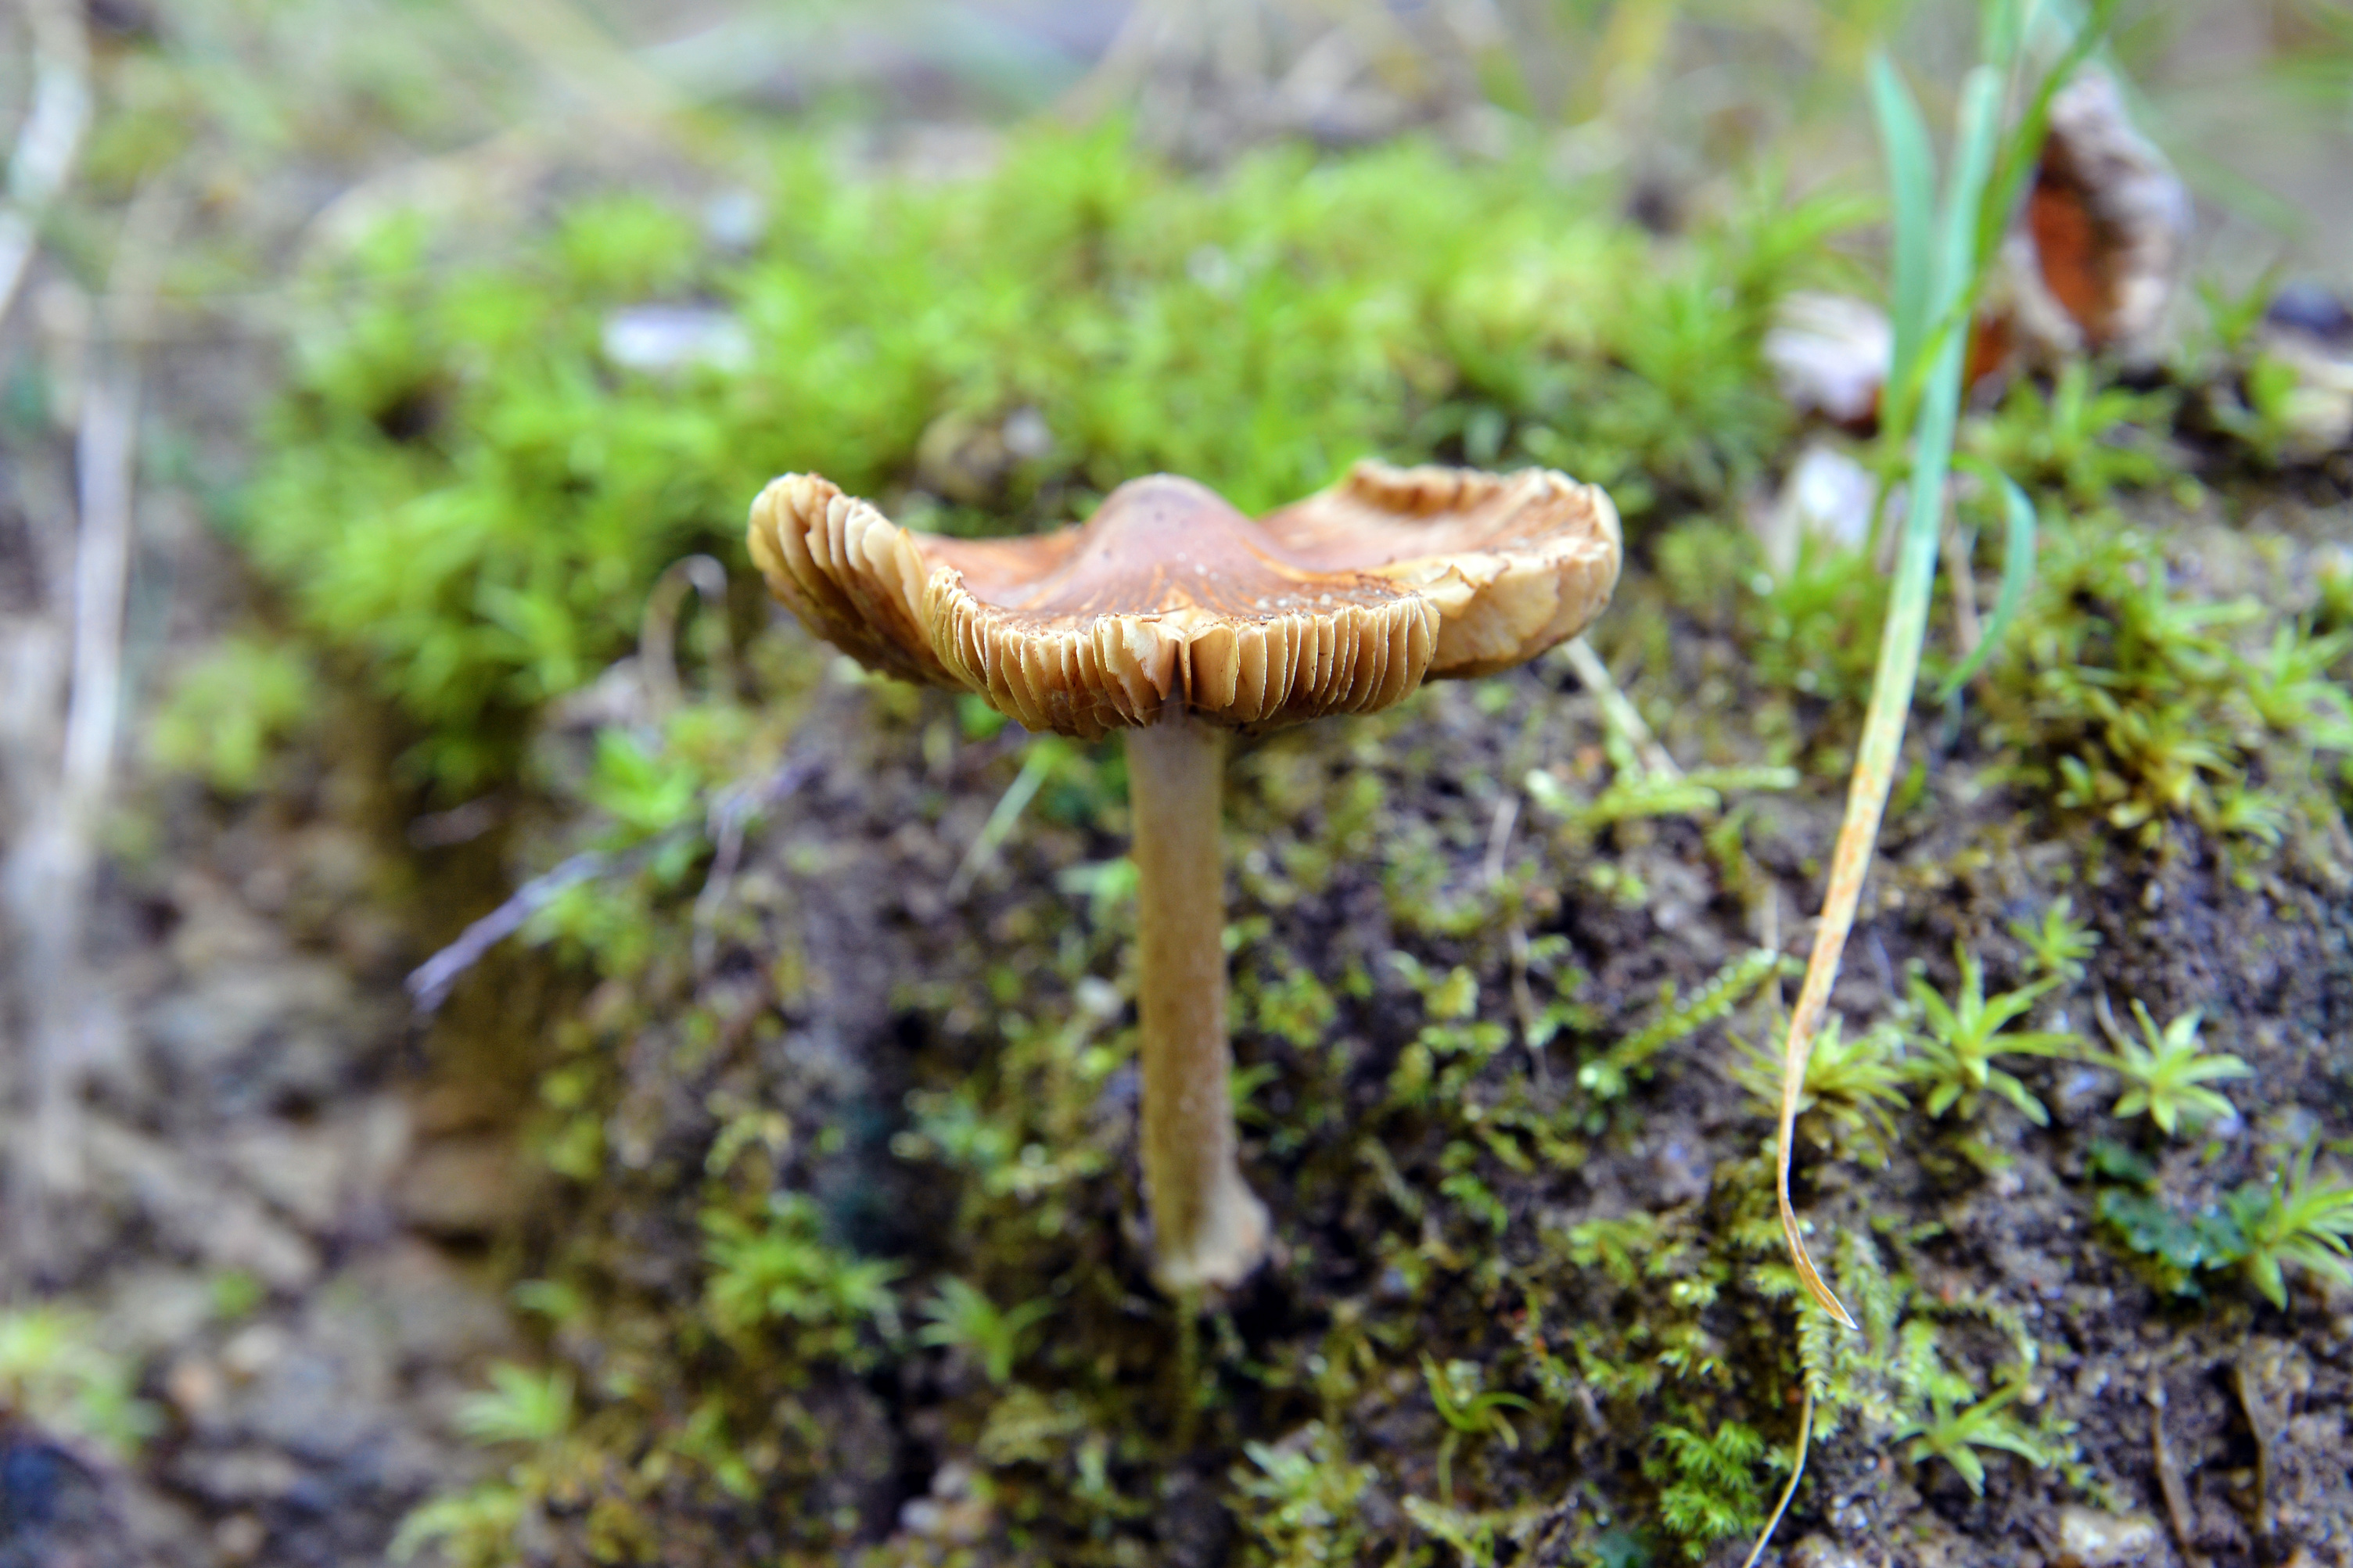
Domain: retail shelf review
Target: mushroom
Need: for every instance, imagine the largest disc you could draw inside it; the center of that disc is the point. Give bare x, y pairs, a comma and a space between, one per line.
1172, 616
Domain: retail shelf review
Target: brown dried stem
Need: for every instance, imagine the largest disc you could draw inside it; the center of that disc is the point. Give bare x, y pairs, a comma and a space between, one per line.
50, 141
48, 872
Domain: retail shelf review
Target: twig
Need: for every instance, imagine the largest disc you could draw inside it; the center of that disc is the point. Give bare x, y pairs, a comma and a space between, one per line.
105, 455
1623, 716
1523, 1001
484, 173
1967, 631
49, 875
999, 826
2168, 1475
566, 43
1154, 30
612, 89
458, 824
430, 982
732, 808
2265, 1421
1499, 836
658, 631
1515, 936
50, 142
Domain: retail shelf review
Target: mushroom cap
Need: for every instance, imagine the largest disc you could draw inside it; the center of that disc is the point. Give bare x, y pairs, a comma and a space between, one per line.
1342, 603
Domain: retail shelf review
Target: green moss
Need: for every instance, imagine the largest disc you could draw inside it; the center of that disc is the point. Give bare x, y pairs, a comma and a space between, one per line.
2128, 697
1678, 1017
57, 1374
1381, 1081
227, 712
776, 1271
519, 1406
1299, 1500
1816, 629
2082, 439
463, 491
807, 1234
1709, 1489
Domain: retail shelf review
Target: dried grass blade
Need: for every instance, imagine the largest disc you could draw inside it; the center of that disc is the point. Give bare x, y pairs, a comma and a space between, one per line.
1899, 648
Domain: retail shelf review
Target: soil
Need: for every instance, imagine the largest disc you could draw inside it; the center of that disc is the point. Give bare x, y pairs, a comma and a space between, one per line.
849, 877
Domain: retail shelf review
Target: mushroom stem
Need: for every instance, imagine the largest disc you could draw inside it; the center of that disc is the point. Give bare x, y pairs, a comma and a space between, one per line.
1207, 1226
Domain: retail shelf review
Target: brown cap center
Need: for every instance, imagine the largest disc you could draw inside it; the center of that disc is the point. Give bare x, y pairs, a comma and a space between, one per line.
1163, 543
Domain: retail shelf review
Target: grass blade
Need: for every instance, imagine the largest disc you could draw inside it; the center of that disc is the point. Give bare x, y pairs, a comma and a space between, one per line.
1912, 177
2017, 572
1044, 752
1899, 647
1796, 1474
2024, 149
2000, 27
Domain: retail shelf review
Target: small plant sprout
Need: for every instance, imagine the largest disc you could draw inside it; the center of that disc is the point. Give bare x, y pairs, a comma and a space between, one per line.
2166, 1077
1305, 1491
1469, 1410
2061, 943
519, 1406
1851, 1086
781, 1269
2290, 688
962, 1317
2295, 1217
1172, 617
1963, 1036
2088, 442
1956, 1435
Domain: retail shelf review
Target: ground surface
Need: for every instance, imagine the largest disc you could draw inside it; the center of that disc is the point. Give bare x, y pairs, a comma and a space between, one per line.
294, 1215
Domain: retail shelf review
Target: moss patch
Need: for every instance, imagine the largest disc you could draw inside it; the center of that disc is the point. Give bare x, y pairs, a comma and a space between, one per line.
842, 1256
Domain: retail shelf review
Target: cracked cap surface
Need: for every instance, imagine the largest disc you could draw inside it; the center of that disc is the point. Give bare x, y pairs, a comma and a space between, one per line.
1342, 603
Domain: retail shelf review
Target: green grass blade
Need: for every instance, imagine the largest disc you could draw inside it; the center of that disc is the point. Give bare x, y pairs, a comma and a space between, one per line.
2000, 30
2024, 148
2017, 572
1044, 752
1911, 179
1965, 220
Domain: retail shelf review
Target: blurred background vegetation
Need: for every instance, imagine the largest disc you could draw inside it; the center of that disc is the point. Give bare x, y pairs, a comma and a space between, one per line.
550, 288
